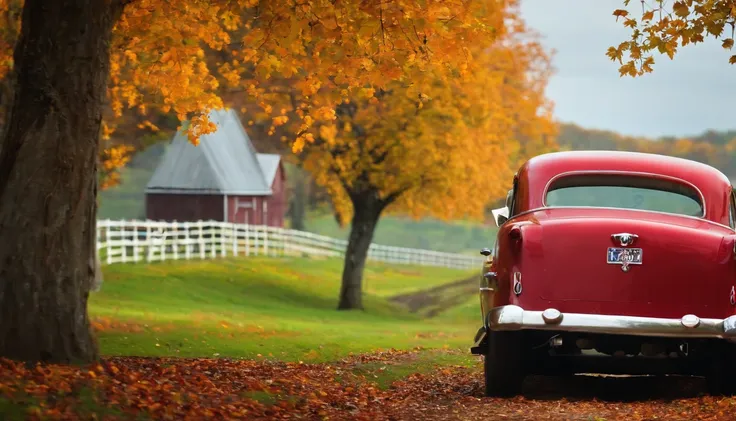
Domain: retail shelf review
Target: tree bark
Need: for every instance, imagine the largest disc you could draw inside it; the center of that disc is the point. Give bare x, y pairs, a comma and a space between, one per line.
48, 164
367, 210
299, 201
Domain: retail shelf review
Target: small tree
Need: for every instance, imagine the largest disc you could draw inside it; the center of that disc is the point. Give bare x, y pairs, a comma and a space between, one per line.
436, 146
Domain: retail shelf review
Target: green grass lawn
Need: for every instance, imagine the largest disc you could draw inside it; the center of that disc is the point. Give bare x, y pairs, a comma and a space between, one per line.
430, 234
275, 308
278, 309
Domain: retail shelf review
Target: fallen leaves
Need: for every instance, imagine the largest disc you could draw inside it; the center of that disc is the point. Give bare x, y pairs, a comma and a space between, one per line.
170, 388
104, 324
226, 389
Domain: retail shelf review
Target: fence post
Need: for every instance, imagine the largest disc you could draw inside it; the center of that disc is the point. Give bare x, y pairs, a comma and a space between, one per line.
175, 241
149, 243
213, 242
247, 240
123, 241
188, 241
266, 232
109, 246
136, 248
162, 249
222, 226
98, 238
255, 240
234, 230
201, 239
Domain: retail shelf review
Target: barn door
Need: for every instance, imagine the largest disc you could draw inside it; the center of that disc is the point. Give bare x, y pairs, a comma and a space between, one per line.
245, 207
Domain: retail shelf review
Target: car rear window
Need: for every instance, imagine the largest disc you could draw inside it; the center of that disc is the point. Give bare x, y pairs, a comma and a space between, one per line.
626, 192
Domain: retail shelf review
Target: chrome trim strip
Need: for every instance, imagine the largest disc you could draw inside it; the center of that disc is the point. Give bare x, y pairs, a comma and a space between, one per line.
512, 317
635, 173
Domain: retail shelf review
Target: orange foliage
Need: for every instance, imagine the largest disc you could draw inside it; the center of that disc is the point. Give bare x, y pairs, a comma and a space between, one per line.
112, 159
440, 146
663, 27
162, 52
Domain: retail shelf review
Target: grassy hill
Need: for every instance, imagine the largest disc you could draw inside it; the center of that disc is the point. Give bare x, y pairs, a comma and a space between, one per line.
269, 307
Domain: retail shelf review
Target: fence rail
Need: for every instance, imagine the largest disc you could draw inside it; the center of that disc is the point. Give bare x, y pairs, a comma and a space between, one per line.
120, 241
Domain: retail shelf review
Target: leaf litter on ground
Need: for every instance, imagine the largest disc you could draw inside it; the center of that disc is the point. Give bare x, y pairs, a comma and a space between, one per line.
120, 388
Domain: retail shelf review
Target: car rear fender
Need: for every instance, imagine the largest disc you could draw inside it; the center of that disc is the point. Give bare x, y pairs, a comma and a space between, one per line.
525, 274
518, 244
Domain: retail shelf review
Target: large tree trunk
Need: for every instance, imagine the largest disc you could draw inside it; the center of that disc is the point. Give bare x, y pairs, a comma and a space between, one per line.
366, 211
48, 186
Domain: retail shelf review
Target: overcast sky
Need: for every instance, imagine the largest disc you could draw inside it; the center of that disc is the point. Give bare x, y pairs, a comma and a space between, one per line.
685, 96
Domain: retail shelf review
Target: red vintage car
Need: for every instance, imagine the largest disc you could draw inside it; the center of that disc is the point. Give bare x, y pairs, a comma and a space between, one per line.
611, 262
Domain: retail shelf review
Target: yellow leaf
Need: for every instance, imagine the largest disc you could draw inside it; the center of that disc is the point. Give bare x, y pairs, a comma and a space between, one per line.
727, 43
680, 9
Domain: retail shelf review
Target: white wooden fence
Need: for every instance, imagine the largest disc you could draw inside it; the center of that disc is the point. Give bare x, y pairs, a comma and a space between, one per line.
147, 241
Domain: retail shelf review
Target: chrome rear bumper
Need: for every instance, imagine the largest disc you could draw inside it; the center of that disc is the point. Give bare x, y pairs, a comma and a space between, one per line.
511, 317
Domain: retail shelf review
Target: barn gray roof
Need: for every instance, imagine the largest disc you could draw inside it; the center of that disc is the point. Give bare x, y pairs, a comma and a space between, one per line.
225, 162
269, 165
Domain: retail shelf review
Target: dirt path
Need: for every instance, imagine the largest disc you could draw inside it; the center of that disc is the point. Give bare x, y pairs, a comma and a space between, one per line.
149, 388
430, 302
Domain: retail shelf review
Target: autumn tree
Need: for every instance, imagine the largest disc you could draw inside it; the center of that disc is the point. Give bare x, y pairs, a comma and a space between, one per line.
433, 145
663, 27
74, 56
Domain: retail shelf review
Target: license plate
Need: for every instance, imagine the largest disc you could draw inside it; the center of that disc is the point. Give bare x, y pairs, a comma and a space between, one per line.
619, 256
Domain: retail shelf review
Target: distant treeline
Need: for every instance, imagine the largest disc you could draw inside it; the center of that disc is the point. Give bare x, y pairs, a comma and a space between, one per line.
713, 148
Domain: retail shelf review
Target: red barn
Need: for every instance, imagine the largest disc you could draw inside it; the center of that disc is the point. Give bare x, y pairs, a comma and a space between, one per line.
222, 179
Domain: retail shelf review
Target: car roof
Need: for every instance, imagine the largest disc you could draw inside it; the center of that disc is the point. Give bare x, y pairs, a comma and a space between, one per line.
713, 184
685, 169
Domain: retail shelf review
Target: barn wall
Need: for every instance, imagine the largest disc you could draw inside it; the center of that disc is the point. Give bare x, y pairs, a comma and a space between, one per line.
277, 202
249, 211
184, 207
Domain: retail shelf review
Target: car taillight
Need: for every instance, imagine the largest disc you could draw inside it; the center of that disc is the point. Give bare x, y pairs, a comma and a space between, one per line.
515, 238
515, 233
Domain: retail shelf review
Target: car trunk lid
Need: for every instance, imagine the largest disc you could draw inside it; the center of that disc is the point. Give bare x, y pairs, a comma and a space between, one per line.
679, 257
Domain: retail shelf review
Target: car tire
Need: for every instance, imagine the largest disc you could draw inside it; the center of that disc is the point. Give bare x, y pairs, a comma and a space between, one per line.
721, 375
503, 364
